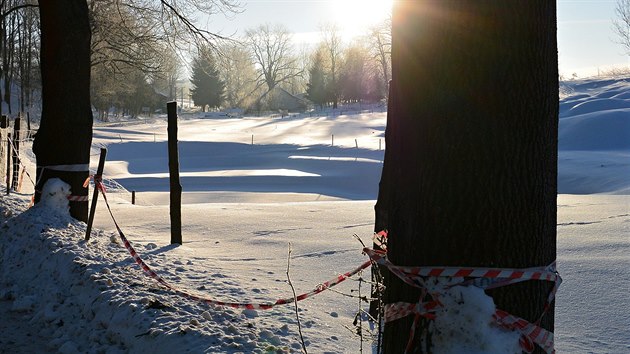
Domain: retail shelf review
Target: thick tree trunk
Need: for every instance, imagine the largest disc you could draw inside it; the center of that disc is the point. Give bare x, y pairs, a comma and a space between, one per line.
65, 132
472, 146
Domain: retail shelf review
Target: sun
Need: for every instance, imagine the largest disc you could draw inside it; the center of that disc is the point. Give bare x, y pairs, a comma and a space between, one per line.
358, 15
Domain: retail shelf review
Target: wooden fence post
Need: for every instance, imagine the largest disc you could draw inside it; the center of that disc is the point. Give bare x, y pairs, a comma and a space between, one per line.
16, 153
133, 197
3, 124
173, 166
8, 178
99, 175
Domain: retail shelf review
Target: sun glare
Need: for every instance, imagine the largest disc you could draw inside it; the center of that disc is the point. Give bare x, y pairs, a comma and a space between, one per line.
358, 15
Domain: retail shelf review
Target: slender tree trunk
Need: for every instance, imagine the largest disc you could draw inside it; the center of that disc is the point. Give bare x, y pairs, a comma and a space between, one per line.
9, 42
472, 146
3, 48
65, 132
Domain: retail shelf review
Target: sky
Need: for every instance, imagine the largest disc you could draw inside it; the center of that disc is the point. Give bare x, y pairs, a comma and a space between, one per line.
586, 41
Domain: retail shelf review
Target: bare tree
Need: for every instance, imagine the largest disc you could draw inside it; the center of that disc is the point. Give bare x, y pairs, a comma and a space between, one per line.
271, 51
9, 28
26, 54
122, 38
380, 38
621, 24
169, 71
18, 29
332, 43
353, 80
238, 72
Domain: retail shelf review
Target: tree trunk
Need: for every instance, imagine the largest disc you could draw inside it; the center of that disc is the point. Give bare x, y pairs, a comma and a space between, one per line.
472, 146
65, 133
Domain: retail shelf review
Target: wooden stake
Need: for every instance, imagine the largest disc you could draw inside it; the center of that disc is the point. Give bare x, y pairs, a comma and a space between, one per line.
173, 166
8, 179
99, 174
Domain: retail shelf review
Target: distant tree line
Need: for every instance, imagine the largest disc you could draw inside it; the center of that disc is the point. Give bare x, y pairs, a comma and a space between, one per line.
265, 58
19, 55
136, 51
139, 54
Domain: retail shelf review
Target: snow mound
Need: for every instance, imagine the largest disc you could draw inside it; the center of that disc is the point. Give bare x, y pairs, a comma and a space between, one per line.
90, 297
465, 324
607, 130
597, 105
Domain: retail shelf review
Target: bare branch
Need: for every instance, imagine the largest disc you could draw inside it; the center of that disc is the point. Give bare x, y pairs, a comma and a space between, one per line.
13, 9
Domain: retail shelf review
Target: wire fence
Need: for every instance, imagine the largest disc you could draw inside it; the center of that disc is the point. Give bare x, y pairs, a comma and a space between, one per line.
16, 159
18, 175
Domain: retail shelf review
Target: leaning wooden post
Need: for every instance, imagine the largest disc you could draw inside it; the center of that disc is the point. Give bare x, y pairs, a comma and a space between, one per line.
97, 178
173, 166
28, 125
16, 153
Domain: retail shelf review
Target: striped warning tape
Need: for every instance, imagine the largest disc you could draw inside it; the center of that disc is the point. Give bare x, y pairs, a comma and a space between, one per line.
530, 333
415, 276
252, 306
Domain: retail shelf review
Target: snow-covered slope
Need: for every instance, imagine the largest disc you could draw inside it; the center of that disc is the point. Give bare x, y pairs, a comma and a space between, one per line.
594, 137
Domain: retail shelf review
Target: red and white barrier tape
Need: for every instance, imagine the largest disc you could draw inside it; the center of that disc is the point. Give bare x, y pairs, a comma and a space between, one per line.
530, 333
253, 306
415, 276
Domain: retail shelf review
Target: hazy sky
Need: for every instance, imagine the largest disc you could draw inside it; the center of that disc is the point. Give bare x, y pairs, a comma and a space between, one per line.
586, 40
585, 36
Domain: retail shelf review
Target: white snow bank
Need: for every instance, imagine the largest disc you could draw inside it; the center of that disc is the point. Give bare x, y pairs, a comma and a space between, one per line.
607, 130
597, 105
89, 297
594, 138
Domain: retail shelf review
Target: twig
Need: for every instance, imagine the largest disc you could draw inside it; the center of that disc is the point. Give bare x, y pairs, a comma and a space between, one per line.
359, 239
295, 301
360, 320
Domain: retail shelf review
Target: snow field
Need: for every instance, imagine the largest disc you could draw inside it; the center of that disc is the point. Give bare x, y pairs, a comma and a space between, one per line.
244, 203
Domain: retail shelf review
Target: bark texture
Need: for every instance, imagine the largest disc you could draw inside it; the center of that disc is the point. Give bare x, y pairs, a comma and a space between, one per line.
471, 165
65, 133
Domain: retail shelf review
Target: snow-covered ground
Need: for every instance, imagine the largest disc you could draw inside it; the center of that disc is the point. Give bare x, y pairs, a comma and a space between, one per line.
244, 203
